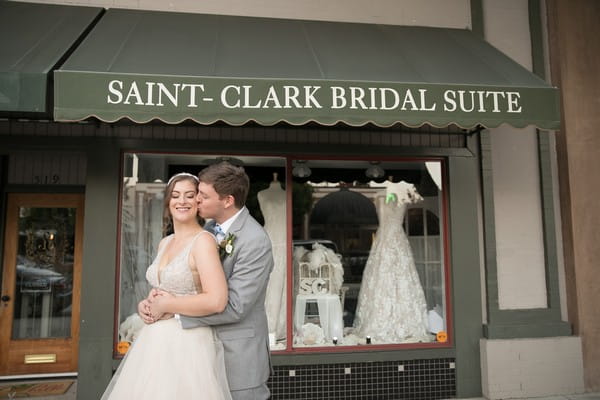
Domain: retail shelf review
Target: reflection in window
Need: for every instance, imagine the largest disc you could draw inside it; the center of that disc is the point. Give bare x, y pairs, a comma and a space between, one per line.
44, 272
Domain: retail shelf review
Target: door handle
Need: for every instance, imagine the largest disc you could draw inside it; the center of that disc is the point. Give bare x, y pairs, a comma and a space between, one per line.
5, 298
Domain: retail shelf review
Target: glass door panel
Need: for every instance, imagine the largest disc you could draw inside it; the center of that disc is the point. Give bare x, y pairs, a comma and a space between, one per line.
44, 270
41, 276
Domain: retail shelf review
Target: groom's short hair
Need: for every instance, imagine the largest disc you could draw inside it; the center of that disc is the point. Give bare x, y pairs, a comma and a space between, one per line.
227, 179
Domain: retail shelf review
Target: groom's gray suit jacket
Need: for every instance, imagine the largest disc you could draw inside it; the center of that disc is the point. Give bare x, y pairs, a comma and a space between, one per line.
242, 327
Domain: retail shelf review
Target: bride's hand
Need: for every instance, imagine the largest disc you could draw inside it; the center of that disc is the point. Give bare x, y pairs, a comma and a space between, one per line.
154, 292
167, 316
144, 311
158, 305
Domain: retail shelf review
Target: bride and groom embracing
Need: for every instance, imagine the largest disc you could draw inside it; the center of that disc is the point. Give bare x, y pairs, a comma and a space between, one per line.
206, 334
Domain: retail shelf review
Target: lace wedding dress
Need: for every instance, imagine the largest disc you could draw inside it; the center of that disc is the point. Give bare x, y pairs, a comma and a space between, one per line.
391, 304
272, 203
167, 361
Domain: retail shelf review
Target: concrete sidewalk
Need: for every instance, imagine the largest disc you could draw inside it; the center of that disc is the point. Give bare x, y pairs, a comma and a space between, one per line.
585, 396
71, 394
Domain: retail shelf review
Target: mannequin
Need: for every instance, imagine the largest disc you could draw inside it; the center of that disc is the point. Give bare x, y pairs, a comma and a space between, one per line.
272, 202
391, 303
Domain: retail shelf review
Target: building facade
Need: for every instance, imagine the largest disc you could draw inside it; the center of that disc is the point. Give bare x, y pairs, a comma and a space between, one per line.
342, 116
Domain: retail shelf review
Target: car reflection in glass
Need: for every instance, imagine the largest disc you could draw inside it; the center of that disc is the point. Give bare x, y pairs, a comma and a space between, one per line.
36, 279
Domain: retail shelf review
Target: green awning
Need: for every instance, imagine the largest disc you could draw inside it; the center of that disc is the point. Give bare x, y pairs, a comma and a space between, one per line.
145, 65
33, 39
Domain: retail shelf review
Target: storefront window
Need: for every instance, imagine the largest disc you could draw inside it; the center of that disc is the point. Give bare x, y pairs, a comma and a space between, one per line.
144, 180
367, 262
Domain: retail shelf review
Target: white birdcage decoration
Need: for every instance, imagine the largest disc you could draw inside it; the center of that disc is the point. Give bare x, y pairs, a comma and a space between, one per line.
315, 280
319, 282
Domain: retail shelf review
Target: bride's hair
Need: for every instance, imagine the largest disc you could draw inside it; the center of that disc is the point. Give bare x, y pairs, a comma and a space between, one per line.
167, 219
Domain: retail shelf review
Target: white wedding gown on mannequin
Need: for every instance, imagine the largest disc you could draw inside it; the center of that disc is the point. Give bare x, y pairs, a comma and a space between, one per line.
391, 304
272, 203
165, 360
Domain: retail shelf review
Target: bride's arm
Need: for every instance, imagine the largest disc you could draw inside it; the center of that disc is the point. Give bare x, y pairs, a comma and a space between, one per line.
213, 298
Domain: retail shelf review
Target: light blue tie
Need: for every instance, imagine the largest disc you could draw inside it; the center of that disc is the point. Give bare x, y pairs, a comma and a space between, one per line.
219, 232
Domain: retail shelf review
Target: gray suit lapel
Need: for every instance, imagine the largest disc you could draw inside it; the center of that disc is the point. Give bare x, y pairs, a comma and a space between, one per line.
234, 229
239, 222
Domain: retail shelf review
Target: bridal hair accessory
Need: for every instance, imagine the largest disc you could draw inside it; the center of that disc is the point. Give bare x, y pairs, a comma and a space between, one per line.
226, 245
182, 174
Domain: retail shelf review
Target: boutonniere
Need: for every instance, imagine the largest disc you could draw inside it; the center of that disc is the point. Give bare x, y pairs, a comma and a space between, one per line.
226, 245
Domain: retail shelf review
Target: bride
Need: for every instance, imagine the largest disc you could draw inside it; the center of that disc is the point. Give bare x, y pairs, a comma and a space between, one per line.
166, 361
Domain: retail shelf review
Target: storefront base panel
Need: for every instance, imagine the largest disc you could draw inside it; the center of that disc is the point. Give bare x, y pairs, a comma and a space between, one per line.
406, 379
518, 368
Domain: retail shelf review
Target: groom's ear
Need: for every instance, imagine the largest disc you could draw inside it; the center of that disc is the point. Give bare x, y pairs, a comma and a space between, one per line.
229, 201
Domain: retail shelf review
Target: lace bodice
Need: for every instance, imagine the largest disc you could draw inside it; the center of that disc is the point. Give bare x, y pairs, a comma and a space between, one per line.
391, 218
176, 276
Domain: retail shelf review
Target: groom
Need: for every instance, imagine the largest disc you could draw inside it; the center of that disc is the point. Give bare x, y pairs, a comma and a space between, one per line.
247, 261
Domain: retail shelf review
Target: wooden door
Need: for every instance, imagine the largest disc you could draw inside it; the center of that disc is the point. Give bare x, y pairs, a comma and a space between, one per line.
41, 282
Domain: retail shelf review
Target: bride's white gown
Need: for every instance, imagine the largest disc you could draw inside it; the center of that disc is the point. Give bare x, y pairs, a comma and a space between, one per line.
391, 304
166, 361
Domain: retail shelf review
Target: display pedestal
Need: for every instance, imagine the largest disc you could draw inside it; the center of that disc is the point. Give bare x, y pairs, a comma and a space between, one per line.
330, 313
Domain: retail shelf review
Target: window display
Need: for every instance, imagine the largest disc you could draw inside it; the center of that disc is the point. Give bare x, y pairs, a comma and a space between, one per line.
368, 261
381, 229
